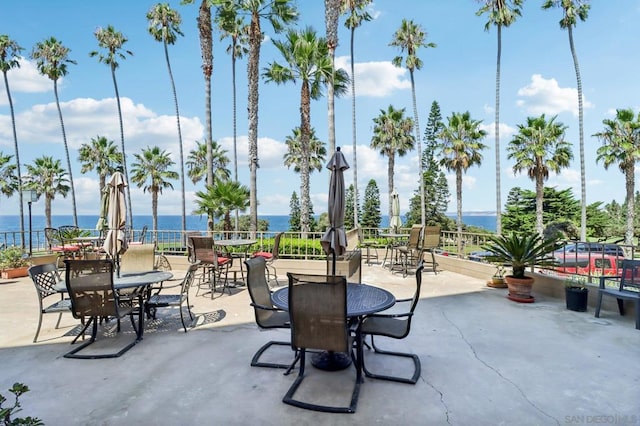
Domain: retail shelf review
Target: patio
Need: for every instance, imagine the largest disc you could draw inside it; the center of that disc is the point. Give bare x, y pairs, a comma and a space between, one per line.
485, 360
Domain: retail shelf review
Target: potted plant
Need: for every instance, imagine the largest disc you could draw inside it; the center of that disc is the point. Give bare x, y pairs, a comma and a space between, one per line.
521, 251
13, 262
497, 280
576, 294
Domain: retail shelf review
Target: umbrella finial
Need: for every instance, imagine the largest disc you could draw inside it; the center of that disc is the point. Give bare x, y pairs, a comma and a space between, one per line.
338, 149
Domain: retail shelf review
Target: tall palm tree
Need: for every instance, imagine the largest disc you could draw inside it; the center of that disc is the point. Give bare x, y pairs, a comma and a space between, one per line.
539, 147
9, 59
234, 27
197, 162
102, 155
307, 60
572, 11
9, 183
279, 13
112, 42
221, 199
410, 37
51, 58
460, 148
47, 177
357, 15
621, 145
164, 26
502, 13
152, 172
392, 134
293, 157
331, 14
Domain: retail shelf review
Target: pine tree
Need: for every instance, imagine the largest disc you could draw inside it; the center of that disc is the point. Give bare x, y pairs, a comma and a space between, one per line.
294, 212
371, 216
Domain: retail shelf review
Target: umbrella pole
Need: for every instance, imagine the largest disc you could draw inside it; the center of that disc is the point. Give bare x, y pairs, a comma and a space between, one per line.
333, 252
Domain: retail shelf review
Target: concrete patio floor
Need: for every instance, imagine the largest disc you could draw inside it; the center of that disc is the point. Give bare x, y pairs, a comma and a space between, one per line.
485, 361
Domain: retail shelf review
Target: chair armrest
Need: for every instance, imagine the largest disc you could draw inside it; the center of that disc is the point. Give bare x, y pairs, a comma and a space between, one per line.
404, 300
265, 308
401, 315
611, 278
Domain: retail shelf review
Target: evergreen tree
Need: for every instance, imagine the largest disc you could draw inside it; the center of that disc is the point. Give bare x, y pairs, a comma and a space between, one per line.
350, 202
371, 216
294, 212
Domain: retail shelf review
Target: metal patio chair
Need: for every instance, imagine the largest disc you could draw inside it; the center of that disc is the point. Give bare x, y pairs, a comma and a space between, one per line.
45, 277
163, 300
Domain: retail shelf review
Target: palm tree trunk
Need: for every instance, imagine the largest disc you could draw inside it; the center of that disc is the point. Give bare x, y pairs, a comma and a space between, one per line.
497, 137
235, 128
206, 49
66, 150
583, 179
539, 206
355, 139
419, 145
124, 153
175, 102
47, 210
154, 210
390, 168
305, 125
459, 210
255, 38
17, 152
630, 186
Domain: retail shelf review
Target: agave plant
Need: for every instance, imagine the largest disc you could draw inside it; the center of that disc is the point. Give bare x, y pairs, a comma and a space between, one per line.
521, 251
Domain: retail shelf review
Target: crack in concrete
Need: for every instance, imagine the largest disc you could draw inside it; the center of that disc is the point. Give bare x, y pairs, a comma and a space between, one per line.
475, 354
444, 404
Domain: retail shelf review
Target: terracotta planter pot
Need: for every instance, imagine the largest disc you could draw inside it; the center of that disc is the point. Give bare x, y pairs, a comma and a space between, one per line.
496, 282
15, 272
519, 288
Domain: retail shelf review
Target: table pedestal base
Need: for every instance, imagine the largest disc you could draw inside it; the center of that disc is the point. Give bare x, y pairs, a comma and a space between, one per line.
331, 361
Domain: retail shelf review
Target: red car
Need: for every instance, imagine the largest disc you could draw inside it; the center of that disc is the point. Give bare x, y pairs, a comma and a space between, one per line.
584, 264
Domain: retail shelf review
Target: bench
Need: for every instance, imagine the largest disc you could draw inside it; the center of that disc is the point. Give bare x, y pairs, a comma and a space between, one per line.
623, 287
349, 263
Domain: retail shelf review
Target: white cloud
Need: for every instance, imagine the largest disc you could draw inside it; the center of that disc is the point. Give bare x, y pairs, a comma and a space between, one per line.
270, 151
375, 79
545, 96
506, 131
26, 79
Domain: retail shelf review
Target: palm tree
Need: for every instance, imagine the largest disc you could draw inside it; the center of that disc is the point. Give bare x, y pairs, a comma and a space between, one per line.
460, 148
102, 155
502, 13
112, 41
51, 58
164, 26
278, 13
392, 134
307, 60
9, 59
9, 183
152, 172
236, 29
357, 15
221, 199
47, 177
197, 162
317, 151
331, 14
573, 10
621, 145
411, 37
539, 148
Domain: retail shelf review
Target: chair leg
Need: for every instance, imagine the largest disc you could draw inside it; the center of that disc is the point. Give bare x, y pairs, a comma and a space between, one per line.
94, 332
598, 304
620, 306
35, 339
255, 361
416, 362
288, 398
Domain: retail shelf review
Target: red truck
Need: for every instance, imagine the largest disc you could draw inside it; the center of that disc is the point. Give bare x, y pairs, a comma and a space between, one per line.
594, 264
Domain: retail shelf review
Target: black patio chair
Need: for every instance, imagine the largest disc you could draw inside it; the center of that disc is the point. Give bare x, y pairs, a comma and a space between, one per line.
158, 300
90, 287
45, 277
267, 315
396, 326
318, 314
271, 257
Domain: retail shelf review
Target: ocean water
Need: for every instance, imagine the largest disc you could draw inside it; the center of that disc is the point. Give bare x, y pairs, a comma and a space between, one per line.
196, 223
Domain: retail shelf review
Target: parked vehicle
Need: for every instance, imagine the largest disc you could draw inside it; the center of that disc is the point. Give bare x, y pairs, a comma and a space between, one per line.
593, 248
589, 264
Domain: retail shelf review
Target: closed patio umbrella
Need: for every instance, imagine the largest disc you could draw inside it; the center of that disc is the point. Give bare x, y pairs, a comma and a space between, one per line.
334, 241
395, 223
102, 224
114, 242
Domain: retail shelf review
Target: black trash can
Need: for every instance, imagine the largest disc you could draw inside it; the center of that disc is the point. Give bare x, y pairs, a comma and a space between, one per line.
577, 298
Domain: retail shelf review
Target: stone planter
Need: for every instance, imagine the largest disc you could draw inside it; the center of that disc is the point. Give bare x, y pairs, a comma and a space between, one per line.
15, 272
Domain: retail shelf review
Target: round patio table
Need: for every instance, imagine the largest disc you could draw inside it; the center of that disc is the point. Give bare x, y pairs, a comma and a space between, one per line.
362, 299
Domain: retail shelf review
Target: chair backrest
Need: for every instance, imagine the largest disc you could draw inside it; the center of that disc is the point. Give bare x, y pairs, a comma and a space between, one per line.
90, 287
276, 246
138, 257
318, 312
143, 234
188, 278
431, 237
630, 275
415, 236
68, 232
416, 295
200, 249
45, 277
52, 236
258, 288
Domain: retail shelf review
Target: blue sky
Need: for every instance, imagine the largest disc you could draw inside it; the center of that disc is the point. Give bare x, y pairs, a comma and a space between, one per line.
537, 77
